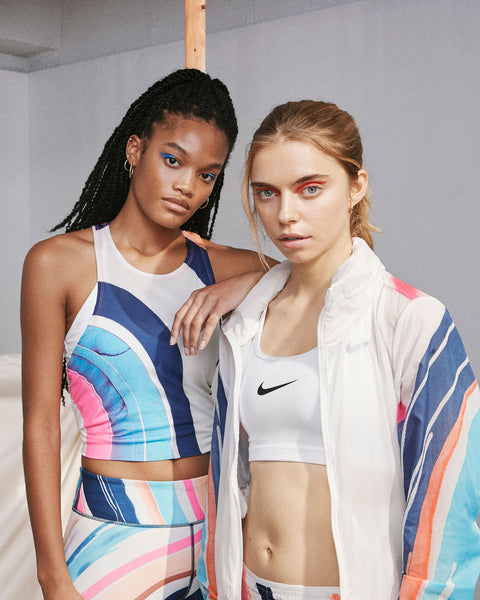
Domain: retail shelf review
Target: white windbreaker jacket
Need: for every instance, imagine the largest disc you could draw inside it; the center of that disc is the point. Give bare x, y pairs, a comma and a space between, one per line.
401, 428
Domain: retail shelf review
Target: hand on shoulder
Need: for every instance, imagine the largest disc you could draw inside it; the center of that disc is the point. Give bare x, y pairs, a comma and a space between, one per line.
236, 272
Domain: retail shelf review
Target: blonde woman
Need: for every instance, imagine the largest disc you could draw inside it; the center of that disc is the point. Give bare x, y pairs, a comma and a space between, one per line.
348, 426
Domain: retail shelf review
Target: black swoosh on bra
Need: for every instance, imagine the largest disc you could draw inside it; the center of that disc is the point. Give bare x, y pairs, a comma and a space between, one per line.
262, 391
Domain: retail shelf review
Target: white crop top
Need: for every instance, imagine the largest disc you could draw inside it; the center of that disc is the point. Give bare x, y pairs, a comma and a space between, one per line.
280, 406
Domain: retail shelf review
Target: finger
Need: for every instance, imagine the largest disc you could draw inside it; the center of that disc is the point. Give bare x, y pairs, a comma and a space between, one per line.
196, 331
210, 326
178, 321
191, 326
194, 321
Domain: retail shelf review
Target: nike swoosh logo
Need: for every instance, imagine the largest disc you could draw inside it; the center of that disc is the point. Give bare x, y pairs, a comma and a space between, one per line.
354, 347
262, 391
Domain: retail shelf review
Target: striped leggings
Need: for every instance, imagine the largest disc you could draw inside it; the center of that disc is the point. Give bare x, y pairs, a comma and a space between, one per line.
135, 540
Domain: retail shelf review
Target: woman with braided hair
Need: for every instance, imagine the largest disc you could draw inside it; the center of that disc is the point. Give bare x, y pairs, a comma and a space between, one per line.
138, 244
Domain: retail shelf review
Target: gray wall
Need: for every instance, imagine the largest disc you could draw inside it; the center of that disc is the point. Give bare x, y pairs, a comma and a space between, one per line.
14, 202
408, 70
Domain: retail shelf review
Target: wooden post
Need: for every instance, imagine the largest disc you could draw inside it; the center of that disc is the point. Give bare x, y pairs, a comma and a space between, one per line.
195, 34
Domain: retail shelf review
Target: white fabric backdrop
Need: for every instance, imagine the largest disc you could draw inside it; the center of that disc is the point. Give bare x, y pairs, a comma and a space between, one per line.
17, 558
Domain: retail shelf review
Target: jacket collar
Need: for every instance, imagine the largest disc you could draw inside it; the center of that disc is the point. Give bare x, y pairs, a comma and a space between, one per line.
352, 279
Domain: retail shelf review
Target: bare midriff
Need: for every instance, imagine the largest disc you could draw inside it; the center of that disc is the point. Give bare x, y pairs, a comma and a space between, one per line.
157, 470
287, 534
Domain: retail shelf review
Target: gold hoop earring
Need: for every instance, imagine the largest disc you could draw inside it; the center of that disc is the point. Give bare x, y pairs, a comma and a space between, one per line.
128, 167
205, 204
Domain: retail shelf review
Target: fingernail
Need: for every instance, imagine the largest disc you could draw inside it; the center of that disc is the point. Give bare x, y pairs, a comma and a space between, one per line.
202, 344
187, 352
172, 341
192, 350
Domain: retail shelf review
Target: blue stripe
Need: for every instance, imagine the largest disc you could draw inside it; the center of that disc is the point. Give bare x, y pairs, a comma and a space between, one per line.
440, 378
463, 549
121, 306
218, 436
100, 506
198, 260
104, 538
221, 407
123, 384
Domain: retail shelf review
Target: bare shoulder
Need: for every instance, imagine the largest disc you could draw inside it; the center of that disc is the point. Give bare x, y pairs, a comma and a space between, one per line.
62, 268
228, 262
59, 253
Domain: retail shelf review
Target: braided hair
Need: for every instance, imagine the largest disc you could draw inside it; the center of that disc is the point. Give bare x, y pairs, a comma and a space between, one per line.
188, 93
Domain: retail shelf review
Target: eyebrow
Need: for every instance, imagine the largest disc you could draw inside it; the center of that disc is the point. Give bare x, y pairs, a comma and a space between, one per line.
314, 177
177, 147
185, 153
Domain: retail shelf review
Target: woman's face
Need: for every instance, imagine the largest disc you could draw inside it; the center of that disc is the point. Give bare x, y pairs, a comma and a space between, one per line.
303, 198
175, 171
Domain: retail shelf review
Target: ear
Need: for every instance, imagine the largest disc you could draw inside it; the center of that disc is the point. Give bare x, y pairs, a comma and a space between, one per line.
133, 149
358, 188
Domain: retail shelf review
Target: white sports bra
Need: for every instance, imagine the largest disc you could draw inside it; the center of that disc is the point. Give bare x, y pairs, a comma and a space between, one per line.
280, 406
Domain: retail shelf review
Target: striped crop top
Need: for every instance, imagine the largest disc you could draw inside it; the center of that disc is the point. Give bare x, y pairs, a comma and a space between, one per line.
135, 397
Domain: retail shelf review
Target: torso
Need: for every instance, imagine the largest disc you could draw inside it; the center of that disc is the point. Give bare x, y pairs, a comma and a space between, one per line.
79, 288
287, 535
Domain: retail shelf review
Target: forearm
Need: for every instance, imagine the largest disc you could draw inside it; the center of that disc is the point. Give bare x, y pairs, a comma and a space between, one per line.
41, 453
200, 314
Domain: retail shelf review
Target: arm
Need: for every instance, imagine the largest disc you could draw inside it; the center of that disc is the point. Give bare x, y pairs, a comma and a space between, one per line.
43, 329
440, 444
236, 273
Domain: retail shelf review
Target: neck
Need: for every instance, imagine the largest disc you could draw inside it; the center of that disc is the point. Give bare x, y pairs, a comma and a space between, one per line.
141, 234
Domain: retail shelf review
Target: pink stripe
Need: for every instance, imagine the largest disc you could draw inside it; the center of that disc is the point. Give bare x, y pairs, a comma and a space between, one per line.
192, 496
82, 503
141, 561
406, 290
401, 413
95, 417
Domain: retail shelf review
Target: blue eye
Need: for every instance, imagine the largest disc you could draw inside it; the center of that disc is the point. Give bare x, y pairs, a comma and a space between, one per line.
311, 190
209, 177
264, 194
169, 159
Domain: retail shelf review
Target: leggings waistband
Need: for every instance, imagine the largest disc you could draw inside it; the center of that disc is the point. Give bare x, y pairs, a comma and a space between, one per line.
139, 502
262, 589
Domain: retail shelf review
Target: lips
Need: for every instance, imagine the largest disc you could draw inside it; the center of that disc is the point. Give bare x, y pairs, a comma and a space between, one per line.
292, 240
291, 237
177, 204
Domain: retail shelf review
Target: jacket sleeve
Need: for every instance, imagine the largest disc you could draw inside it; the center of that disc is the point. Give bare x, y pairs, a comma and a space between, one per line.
206, 562
439, 435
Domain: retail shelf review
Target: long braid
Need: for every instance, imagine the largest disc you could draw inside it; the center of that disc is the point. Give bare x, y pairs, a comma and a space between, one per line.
186, 92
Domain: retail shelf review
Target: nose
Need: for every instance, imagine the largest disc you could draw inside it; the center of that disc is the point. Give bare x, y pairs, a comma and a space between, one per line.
288, 208
185, 183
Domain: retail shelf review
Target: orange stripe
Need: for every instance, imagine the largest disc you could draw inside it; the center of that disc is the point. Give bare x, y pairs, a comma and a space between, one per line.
420, 556
245, 591
150, 502
210, 550
410, 588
